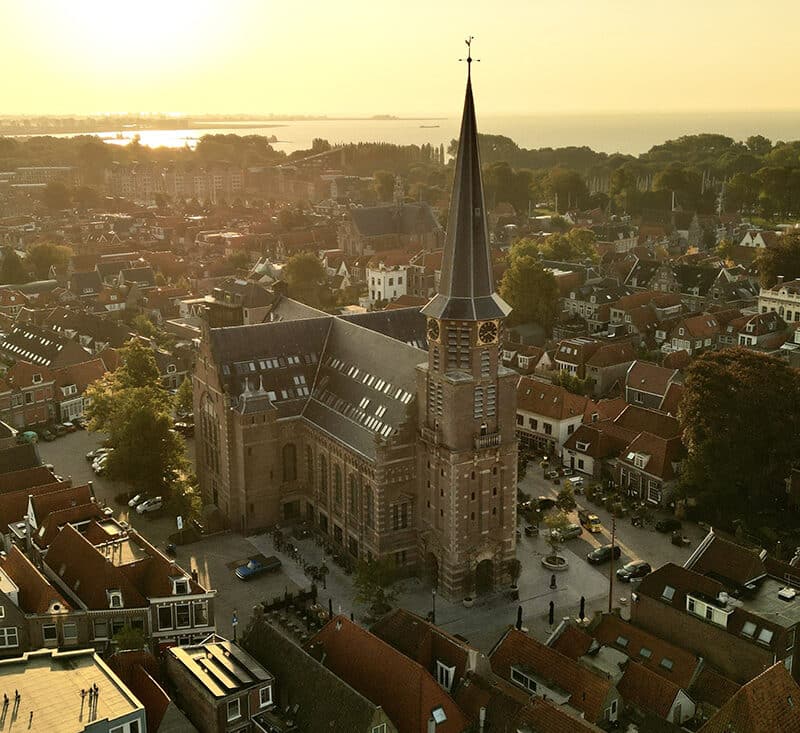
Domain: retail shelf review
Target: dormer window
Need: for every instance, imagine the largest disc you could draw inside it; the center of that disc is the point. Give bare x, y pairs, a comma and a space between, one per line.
114, 599
37, 378
180, 587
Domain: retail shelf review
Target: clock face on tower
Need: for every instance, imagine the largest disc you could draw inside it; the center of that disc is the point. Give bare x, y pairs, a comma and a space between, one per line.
487, 332
433, 329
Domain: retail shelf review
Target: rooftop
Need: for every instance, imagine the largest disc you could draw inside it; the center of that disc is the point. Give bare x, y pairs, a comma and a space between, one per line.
51, 683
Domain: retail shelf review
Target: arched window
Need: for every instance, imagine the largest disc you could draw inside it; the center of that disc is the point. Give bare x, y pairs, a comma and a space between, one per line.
337, 485
323, 474
289, 462
352, 494
310, 466
368, 508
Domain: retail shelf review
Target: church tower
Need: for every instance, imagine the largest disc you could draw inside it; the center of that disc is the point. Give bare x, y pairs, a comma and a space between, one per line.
467, 401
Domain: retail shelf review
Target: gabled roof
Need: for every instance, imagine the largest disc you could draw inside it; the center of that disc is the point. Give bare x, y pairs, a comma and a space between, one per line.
19, 457
25, 479
55, 501
769, 703
466, 287
672, 399
644, 376
640, 419
14, 504
550, 401
421, 641
402, 687
723, 558
588, 691
647, 690
712, 687
662, 454
36, 595
52, 524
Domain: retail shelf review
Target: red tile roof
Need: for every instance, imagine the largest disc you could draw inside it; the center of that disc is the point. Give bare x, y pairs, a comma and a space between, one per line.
647, 690
14, 505
556, 403
664, 455
53, 501
36, 595
639, 420
71, 515
25, 479
401, 686
769, 703
588, 691
712, 687
672, 399
572, 642
645, 376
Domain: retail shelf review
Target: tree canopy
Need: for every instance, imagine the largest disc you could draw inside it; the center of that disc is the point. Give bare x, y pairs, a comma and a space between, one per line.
740, 416
43, 256
12, 270
529, 289
782, 259
577, 245
134, 410
303, 274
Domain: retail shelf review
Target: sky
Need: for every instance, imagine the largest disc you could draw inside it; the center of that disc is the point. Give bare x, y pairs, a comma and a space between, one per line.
365, 57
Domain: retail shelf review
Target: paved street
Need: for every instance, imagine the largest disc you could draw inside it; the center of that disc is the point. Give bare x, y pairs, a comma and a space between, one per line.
482, 624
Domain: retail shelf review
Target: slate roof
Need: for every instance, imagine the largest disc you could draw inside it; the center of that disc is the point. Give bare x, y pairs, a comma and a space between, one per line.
86, 283
42, 347
769, 703
319, 693
245, 293
408, 219
402, 687
352, 382
36, 595
588, 692
466, 286
402, 324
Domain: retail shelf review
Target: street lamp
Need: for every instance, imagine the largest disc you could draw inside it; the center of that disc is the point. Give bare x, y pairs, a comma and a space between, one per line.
433, 599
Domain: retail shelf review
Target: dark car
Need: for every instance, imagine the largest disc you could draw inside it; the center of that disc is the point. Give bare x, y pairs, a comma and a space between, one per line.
184, 428
670, 524
255, 567
603, 554
545, 502
632, 570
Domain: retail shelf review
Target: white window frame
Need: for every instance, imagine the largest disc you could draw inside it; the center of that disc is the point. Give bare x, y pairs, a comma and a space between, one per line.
188, 623
6, 634
445, 675
238, 713
70, 637
45, 629
261, 702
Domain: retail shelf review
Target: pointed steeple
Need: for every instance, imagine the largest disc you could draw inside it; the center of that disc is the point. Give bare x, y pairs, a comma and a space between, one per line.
466, 288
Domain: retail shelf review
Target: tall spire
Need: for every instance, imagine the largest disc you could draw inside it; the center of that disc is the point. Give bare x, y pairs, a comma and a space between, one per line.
466, 288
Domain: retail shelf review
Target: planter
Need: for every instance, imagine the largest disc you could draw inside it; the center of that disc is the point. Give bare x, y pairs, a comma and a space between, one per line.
555, 562
468, 602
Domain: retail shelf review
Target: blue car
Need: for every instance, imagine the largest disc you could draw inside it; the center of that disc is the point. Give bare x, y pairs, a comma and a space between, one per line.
255, 567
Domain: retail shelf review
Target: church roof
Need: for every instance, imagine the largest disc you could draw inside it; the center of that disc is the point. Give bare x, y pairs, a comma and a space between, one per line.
466, 288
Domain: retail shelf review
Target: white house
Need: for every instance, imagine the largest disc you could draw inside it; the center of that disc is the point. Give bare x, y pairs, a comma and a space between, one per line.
547, 415
386, 282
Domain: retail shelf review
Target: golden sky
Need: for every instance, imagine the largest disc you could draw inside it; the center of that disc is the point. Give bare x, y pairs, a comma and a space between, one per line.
364, 57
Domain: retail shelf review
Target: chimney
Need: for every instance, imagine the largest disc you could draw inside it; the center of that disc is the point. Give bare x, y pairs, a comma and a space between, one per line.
431, 725
481, 719
780, 280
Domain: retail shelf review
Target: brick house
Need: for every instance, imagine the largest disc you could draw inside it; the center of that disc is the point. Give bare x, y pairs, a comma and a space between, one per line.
646, 383
27, 395
695, 334
220, 686
545, 672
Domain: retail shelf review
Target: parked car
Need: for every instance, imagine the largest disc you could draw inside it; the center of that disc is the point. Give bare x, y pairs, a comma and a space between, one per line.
69, 426
590, 521
254, 567
633, 570
100, 465
571, 531
47, 435
149, 505
184, 428
669, 524
136, 500
566, 471
603, 554
551, 474
545, 502
79, 423
92, 455
59, 430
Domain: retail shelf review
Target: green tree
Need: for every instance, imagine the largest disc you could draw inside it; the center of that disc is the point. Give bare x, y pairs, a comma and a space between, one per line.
384, 185
531, 291
576, 245
43, 256
782, 259
738, 452
759, 145
12, 271
184, 399
130, 639
568, 185
303, 274
237, 261
556, 523
566, 499
144, 326
135, 411
373, 585
56, 195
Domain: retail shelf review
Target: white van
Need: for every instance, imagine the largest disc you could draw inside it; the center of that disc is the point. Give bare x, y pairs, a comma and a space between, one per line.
576, 482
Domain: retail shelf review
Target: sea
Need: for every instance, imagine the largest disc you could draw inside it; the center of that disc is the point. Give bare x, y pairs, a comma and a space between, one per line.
629, 133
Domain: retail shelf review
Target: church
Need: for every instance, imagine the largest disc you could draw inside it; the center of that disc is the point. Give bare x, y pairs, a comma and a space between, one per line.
392, 432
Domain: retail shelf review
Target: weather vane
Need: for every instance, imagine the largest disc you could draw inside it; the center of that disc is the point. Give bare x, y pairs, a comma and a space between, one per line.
469, 58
